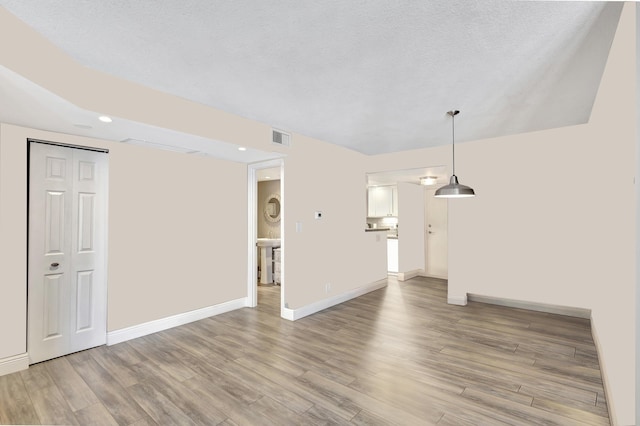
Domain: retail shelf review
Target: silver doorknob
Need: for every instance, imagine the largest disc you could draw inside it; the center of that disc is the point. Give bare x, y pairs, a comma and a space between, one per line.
55, 264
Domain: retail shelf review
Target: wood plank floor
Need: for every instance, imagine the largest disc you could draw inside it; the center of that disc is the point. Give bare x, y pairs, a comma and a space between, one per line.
399, 355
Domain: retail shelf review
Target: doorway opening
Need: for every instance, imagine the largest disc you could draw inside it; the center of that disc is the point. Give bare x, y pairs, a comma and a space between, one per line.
265, 237
400, 203
67, 249
436, 244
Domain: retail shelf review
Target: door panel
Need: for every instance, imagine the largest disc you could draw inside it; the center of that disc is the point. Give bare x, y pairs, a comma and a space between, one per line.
84, 296
54, 222
88, 248
67, 250
86, 222
52, 310
56, 168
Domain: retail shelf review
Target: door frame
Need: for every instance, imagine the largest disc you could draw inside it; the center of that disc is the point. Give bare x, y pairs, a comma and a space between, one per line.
106, 224
252, 234
428, 194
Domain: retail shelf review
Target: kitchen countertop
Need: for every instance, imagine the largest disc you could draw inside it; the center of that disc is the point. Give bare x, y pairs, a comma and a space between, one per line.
389, 236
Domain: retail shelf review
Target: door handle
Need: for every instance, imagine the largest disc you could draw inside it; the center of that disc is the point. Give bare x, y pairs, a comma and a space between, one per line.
55, 264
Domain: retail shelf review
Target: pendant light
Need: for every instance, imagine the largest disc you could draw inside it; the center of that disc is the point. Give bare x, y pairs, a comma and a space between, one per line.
454, 189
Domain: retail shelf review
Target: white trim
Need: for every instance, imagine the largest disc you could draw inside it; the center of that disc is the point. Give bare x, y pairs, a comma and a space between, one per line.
457, 300
14, 364
283, 252
440, 277
155, 326
403, 276
637, 230
533, 306
252, 235
603, 373
252, 227
288, 314
296, 314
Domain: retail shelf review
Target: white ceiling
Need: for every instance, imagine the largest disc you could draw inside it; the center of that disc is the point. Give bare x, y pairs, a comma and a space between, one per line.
374, 76
26, 104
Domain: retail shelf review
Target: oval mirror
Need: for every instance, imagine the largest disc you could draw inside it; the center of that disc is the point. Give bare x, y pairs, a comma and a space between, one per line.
272, 208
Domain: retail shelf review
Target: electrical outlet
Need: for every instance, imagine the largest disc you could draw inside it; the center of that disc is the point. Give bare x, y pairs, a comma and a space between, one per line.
327, 287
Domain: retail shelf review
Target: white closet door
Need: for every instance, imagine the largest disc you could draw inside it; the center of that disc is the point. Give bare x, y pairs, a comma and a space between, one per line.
67, 250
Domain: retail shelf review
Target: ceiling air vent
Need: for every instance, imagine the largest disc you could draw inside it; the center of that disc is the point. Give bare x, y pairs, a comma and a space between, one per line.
281, 138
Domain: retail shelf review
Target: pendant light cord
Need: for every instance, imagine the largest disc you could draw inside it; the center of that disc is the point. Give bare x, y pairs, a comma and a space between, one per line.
453, 139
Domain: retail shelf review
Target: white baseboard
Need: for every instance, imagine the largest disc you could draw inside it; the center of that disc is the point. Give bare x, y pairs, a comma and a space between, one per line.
403, 276
296, 314
603, 373
440, 277
288, 314
150, 327
14, 364
533, 306
457, 300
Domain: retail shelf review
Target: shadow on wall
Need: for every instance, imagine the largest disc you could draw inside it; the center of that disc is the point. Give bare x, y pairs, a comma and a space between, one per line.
267, 229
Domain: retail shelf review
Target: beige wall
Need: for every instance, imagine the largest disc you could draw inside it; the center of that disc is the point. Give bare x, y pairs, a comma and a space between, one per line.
556, 208
13, 245
175, 244
334, 250
554, 218
167, 252
410, 227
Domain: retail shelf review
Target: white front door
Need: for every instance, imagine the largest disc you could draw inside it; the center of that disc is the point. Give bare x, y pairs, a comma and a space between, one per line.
437, 240
67, 250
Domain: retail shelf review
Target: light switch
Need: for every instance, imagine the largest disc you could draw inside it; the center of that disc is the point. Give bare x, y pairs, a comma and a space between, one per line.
298, 226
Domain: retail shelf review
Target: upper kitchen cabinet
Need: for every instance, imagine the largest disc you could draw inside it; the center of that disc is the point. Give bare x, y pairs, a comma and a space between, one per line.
383, 201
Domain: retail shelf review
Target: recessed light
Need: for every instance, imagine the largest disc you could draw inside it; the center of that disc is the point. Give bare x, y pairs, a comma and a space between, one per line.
242, 148
105, 119
267, 177
428, 180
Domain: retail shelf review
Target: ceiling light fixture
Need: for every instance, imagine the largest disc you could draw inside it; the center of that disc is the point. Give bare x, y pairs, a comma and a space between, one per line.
454, 189
428, 180
105, 119
242, 148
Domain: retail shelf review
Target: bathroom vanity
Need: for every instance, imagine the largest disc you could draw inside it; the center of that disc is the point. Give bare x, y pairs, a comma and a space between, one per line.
266, 246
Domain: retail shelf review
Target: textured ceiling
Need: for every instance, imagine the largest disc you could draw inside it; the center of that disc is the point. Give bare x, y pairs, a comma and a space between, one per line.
375, 76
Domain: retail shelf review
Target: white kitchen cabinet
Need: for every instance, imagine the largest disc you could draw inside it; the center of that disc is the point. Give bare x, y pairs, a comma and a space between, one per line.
383, 201
392, 255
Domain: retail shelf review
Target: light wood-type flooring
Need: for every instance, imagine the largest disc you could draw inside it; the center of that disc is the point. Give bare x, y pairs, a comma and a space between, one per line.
399, 355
